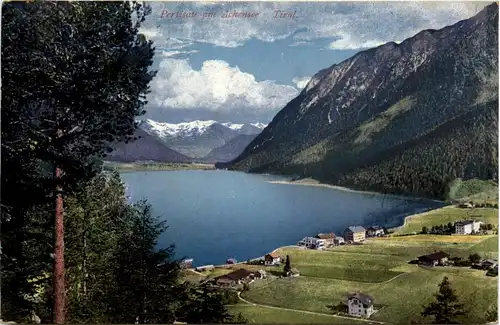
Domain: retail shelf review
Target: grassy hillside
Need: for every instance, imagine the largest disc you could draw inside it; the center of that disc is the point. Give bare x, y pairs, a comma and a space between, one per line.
263, 315
445, 215
399, 294
475, 190
379, 268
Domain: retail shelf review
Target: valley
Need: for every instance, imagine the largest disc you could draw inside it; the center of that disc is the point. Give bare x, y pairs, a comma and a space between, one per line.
196, 142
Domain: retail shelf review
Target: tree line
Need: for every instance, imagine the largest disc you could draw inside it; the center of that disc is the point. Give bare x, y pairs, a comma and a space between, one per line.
75, 76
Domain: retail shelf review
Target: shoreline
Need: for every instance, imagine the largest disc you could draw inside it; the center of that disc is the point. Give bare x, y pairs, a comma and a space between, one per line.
313, 182
227, 266
141, 166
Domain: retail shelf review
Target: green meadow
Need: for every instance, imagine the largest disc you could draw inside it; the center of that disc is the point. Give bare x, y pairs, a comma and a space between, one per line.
379, 268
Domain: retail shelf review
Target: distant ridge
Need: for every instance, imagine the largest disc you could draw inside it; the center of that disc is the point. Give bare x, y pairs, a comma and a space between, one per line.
145, 148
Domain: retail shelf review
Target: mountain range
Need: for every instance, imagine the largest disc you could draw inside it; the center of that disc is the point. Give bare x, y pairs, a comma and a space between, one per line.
196, 141
145, 148
402, 118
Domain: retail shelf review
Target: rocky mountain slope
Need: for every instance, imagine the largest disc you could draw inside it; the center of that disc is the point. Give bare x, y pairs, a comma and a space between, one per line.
232, 149
413, 106
197, 138
145, 148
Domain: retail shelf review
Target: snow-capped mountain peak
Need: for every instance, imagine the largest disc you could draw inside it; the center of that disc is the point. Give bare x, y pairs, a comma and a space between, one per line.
233, 126
164, 129
193, 128
259, 125
196, 139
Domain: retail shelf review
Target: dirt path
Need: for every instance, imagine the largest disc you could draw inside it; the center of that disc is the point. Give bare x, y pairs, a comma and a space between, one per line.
394, 277
310, 312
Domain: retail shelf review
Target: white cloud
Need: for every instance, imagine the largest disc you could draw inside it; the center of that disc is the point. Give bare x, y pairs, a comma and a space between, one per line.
355, 24
301, 82
300, 43
162, 42
217, 86
168, 54
346, 42
172, 43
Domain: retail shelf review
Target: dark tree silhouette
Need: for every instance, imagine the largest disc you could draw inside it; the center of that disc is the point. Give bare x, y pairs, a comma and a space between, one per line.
474, 258
287, 268
446, 307
71, 88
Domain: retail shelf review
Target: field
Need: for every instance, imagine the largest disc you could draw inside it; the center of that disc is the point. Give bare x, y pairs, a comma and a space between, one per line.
446, 215
263, 315
489, 245
378, 268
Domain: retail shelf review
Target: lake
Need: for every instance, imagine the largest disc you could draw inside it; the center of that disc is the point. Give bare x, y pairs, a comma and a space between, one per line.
214, 215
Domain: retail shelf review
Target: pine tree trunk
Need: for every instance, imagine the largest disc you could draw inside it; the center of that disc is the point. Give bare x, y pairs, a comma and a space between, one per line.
59, 287
84, 271
84, 266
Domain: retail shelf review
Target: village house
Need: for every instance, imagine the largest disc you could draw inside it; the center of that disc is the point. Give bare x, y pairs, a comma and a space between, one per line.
329, 238
312, 242
272, 259
374, 231
338, 241
237, 277
488, 264
467, 227
187, 264
355, 234
437, 258
360, 305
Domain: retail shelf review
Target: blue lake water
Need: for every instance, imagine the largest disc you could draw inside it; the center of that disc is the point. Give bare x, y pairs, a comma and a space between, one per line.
214, 215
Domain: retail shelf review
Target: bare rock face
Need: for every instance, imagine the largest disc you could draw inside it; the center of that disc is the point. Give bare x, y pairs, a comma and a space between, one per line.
380, 103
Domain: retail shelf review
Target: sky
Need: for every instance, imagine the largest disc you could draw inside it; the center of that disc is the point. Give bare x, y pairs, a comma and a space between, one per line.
246, 68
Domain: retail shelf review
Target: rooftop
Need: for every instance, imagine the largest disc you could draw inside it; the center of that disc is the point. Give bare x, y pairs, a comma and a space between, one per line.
274, 255
356, 229
489, 262
465, 222
434, 256
309, 239
365, 299
326, 236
